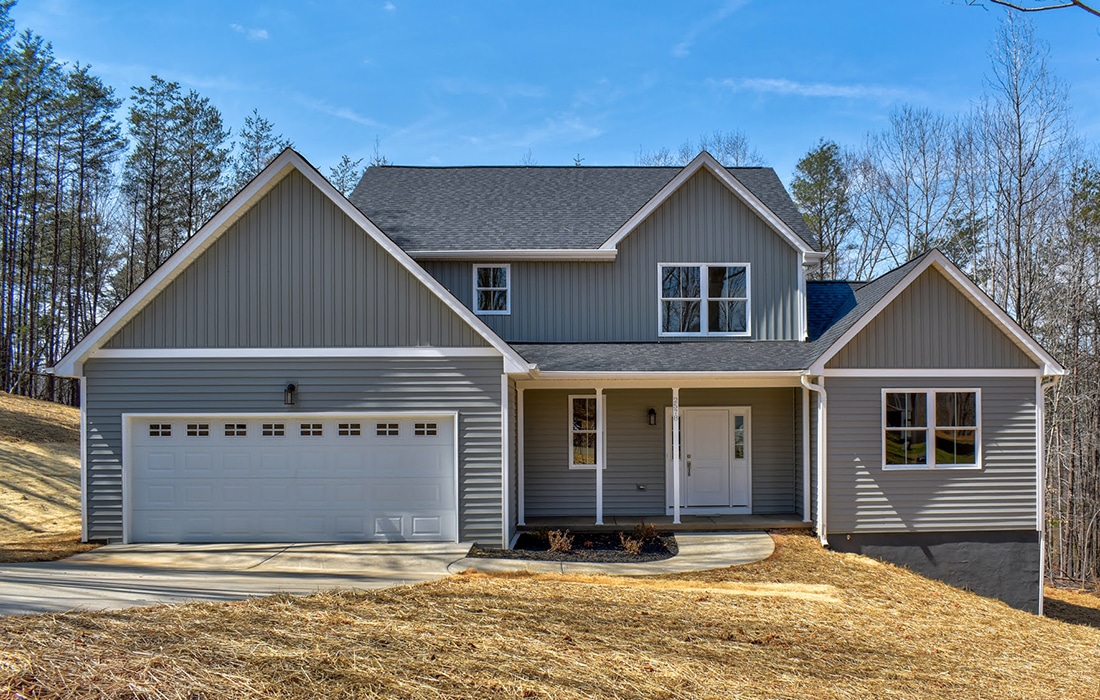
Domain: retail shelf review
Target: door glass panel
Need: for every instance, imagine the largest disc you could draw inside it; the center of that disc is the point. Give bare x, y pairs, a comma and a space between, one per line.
738, 437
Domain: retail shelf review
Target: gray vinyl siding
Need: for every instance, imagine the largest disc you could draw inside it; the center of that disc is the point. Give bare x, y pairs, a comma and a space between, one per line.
470, 386
636, 451
295, 271
617, 301
931, 325
865, 498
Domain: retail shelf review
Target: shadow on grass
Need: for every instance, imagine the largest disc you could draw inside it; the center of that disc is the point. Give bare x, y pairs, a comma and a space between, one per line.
1073, 614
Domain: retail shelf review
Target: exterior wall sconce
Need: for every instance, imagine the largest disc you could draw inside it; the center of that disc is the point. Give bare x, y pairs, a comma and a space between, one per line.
653, 416
289, 393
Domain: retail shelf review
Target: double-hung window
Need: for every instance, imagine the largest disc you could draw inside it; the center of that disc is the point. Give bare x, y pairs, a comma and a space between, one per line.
584, 432
492, 289
931, 428
704, 299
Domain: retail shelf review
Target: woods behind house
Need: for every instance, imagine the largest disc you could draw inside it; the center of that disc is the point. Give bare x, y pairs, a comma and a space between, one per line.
94, 197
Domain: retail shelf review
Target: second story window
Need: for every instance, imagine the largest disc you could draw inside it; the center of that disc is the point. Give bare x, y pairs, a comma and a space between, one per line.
492, 289
704, 299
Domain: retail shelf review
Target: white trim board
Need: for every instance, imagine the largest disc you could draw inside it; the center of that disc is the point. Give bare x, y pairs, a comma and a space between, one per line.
706, 160
230, 353
902, 373
288, 160
958, 278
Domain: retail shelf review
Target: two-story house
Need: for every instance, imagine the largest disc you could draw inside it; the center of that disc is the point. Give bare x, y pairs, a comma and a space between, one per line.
454, 353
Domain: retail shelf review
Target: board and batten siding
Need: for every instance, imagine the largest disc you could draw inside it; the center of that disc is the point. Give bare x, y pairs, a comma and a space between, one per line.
865, 498
294, 271
636, 451
469, 385
617, 301
931, 325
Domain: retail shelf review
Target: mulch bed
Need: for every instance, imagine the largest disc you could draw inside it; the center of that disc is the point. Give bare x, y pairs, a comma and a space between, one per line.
587, 547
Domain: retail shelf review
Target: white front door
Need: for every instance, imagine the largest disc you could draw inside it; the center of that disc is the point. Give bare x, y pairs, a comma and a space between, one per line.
715, 459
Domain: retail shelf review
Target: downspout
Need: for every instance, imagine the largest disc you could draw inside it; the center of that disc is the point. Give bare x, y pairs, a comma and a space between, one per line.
1041, 486
822, 462
805, 455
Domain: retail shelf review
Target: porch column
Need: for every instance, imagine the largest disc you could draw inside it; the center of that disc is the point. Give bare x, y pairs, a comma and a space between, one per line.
601, 453
806, 487
675, 455
520, 491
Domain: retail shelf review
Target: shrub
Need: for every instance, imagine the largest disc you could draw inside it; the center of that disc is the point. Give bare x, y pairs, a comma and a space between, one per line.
632, 545
560, 541
646, 532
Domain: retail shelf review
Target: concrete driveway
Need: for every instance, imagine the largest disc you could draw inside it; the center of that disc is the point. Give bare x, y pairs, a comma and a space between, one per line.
123, 576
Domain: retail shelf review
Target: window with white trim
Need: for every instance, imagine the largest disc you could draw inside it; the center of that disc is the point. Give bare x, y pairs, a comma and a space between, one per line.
584, 436
703, 299
931, 428
492, 289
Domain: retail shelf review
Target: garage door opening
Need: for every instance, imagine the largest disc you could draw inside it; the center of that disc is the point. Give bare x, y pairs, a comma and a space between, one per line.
303, 477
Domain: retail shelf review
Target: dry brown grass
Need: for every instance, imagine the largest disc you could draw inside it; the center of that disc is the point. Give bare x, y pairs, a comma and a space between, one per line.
39, 480
804, 624
1076, 607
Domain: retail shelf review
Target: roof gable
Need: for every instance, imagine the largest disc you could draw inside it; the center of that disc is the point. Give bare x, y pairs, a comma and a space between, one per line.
446, 211
287, 162
874, 298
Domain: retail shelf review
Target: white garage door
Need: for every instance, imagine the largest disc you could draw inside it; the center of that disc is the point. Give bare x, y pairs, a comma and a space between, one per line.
300, 478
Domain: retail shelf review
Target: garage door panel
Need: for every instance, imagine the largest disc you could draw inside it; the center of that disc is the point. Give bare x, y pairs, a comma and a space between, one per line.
323, 479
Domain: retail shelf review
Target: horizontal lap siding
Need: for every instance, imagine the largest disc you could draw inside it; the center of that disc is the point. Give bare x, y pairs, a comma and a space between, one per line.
617, 301
636, 451
931, 325
470, 386
295, 271
865, 498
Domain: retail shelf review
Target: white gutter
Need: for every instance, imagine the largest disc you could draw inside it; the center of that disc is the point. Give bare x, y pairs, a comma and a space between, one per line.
521, 254
822, 461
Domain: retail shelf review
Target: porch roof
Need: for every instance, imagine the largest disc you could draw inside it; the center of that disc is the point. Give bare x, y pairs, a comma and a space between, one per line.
679, 357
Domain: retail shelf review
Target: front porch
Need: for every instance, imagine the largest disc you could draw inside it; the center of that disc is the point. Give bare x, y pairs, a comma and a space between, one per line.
610, 457
688, 523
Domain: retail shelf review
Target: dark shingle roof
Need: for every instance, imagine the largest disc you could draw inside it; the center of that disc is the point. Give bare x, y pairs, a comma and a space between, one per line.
834, 307
494, 208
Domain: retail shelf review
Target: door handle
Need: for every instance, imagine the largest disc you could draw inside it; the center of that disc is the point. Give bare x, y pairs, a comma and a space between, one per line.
689, 467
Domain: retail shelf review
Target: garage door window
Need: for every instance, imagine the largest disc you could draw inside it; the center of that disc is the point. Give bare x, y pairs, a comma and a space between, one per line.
236, 430
386, 430
273, 430
160, 430
198, 430
349, 429
310, 430
425, 429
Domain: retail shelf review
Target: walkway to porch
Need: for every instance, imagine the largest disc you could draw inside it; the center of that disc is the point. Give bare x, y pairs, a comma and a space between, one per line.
689, 523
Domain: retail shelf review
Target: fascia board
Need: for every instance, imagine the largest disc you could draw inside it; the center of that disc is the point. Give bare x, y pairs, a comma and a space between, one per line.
956, 276
237, 206
534, 254
706, 160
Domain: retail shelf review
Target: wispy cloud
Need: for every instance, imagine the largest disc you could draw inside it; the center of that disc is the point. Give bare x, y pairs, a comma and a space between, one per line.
683, 47
253, 33
389, 7
783, 86
345, 113
463, 86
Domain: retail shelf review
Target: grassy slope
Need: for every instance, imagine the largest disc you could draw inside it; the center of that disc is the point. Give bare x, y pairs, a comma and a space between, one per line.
806, 623
39, 480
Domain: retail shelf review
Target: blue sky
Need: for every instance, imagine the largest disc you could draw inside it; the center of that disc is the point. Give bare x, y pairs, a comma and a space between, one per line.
483, 82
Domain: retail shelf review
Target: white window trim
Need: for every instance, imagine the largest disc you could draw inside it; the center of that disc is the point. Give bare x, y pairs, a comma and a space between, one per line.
507, 289
930, 413
599, 432
704, 314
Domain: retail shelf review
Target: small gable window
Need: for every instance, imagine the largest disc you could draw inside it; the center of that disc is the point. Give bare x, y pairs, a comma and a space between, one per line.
704, 299
927, 429
492, 289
